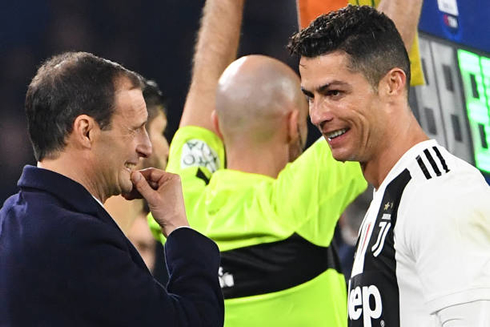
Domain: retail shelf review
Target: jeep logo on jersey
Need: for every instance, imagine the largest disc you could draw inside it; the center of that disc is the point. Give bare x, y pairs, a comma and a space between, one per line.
365, 301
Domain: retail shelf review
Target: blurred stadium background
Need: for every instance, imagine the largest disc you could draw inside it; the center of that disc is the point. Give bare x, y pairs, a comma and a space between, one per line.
156, 39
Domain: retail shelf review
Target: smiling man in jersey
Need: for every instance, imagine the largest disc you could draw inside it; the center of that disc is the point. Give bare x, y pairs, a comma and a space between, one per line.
423, 255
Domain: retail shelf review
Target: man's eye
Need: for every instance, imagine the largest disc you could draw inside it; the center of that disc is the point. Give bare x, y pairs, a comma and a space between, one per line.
137, 130
333, 93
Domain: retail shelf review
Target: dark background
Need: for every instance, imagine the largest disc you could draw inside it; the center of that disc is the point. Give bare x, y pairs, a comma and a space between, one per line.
154, 38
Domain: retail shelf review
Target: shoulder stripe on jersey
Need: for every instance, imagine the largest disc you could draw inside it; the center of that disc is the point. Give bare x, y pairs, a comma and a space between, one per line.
432, 162
200, 174
423, 167
441, 158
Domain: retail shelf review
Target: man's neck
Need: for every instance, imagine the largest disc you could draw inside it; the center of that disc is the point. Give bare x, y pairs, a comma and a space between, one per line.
267, 161
408, 135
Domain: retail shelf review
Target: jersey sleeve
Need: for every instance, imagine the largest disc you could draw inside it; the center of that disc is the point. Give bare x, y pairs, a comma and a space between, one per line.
193, 150
475, 314
447, 234
312, 192
195, 154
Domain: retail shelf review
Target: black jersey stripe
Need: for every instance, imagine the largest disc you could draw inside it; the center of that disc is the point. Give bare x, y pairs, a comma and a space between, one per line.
423, 167
441, 158
273, 267
432, 162
380, 265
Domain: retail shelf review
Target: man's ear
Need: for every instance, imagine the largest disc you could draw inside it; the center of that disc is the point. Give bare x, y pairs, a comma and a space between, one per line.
292, 124
395, 81
84, 130
215, 120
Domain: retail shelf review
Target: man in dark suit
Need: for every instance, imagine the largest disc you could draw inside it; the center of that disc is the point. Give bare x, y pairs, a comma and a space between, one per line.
63, 259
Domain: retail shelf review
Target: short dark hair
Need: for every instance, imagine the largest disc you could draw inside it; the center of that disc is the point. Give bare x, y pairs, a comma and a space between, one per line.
66, 86
371, 40
155, 101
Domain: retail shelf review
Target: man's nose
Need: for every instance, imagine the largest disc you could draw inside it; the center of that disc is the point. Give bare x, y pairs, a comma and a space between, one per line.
319, 113
144, 147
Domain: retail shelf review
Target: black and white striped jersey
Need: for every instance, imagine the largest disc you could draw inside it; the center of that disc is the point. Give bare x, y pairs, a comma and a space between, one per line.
424, 244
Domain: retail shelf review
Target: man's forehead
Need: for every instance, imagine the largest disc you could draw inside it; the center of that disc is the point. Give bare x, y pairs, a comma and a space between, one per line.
336, 58
160, 118
326, 70
131, 102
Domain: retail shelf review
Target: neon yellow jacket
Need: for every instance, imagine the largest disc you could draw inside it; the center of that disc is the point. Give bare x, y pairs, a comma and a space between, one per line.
278, 267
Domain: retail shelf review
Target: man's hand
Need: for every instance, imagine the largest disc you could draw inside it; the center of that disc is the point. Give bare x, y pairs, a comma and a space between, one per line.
163, 193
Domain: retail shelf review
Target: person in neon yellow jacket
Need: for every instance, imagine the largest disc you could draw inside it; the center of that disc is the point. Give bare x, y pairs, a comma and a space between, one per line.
271, 209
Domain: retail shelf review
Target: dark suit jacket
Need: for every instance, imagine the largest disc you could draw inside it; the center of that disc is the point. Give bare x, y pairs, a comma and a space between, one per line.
65, 262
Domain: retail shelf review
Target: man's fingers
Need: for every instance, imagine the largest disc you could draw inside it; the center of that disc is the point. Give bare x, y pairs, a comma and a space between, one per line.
152, 176
141, 184
146, 182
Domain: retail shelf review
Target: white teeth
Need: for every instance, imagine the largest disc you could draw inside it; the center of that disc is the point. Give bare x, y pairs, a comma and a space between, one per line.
129, 166
336, 133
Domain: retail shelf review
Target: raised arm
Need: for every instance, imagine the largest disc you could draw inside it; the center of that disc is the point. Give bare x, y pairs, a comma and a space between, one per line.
406, 16
216, 48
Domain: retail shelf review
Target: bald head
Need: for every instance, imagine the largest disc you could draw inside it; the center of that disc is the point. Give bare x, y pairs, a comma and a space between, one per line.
254, 93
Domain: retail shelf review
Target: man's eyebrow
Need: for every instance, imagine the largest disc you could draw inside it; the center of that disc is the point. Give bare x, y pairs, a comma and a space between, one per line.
323, 88
306, 92
326, 86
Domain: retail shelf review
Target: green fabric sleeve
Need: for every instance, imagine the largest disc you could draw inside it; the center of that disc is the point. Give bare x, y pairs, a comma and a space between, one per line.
313, 191
194, 151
